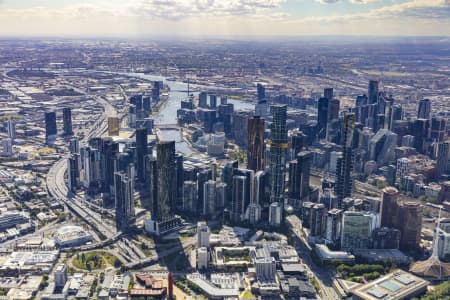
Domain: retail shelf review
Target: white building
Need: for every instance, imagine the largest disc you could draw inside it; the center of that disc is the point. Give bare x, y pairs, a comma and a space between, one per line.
275, 214
202, 258
265, 268
253, 214
203, 234
403, 166
72, 236
443, 239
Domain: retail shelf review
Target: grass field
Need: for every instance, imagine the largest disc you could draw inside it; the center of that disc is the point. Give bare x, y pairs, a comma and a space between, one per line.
95, 260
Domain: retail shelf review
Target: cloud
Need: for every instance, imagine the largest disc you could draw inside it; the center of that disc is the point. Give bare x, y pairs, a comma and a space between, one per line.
421, 9
179, 9
159, 9
327, 1
363, 1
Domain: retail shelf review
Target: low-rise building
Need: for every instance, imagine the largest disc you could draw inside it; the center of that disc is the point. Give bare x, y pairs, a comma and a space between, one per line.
394, 286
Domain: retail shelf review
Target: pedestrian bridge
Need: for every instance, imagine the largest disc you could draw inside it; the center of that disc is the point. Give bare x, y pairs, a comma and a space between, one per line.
167, 126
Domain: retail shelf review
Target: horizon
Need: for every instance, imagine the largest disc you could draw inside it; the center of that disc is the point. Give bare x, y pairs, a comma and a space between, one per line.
237, 18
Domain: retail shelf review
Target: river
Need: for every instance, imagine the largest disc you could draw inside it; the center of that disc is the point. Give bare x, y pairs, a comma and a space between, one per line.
168, 112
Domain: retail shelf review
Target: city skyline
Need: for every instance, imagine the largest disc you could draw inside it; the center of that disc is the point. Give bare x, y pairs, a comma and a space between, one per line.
238, 18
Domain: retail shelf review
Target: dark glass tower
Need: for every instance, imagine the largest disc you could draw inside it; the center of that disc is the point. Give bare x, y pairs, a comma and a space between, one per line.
256, 146
420, 131
373, 91
344, 181
438, 129
328, 93
164, 208
238, 198
424, 109
50, 125
322, 117
261, 92
108, 152
141, 152
67, 121
124, 200
333, 109
278, 148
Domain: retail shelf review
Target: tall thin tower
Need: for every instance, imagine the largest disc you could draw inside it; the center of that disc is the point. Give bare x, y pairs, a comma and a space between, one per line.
256, 146
278, 148
344, 184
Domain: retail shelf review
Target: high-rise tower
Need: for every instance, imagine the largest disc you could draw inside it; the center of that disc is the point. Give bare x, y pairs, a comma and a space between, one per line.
322, 116
67, 121
344, 182
50, 126
141, 152
373, 91
278, 149
424, 109
124, 190
256, 146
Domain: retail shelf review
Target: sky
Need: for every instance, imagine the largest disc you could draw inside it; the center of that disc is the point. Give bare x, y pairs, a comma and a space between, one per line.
206, 18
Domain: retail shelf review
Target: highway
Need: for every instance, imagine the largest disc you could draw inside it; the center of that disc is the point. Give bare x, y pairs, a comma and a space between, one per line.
57, 187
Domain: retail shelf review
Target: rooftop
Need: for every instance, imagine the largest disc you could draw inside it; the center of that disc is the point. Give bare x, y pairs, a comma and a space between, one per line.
394, 286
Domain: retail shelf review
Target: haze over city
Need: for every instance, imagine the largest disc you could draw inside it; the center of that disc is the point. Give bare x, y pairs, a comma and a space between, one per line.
146, 18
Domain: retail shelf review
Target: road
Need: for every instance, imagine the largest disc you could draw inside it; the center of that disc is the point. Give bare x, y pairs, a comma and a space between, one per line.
322, 276
57, 187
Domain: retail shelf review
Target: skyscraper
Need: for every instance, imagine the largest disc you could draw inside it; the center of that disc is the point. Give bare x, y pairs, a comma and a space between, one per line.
11, 129
424, 109
344, 183
328, 93
203, 100
420, 130
113, 126
333, 109
298, 140
108, 151
124, 204
163, 218
304, 159
141, 152
238, 198
156, 90
256, 145
438, 129
389, 207
212, 101
67, 121
210, 198
261, 92
165, 155
299, 173
278, 148
443, 154
73, 172
225, 112
410, 224
373, 92
322, 117
261, 108
50, 126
